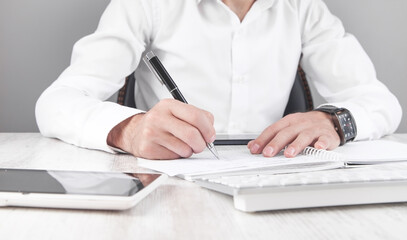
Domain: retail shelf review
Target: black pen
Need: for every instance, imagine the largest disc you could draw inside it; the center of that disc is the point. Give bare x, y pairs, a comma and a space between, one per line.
155, 66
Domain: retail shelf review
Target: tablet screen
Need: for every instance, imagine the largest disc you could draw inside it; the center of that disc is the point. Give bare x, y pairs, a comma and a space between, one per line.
234, 139
73, 182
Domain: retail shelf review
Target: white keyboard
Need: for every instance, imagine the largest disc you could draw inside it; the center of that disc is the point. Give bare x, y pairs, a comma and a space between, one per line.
355, 175
364, 184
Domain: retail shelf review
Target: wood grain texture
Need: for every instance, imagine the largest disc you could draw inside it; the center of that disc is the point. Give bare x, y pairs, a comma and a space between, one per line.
176, 210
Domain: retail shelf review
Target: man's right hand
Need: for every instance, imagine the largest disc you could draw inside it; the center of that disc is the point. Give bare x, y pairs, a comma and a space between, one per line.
171, 129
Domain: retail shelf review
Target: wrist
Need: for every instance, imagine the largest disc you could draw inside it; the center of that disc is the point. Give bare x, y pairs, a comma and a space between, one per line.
343, 122
118, 135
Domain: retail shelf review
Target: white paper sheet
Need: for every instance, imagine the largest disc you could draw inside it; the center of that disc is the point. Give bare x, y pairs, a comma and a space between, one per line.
373, 152
232, 158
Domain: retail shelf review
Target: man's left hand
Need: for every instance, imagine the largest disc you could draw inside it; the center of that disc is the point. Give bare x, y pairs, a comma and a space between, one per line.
296, 131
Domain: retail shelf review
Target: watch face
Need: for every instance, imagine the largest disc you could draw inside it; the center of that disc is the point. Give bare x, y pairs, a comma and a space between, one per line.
348, 127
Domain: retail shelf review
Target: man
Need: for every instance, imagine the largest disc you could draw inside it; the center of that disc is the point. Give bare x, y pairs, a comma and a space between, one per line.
234, 60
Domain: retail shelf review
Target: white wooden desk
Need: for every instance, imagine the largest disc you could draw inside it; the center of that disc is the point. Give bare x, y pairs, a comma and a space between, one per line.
176, 210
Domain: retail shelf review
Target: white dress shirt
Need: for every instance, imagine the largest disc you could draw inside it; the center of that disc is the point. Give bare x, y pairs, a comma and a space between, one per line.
242, 72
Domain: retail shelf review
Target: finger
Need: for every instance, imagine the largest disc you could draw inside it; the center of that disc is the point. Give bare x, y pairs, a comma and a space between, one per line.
327, 142
321, 143
155, 151
250, 144
175, 145
151, 140
186, 133
180, 130
200, 119
303, 140
280, 141
163, 119
266, 136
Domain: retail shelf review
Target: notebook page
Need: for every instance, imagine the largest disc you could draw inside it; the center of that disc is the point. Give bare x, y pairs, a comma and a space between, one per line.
232, 158
375, 151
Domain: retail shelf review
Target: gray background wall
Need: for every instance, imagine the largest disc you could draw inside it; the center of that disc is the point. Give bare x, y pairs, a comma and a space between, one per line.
36, 39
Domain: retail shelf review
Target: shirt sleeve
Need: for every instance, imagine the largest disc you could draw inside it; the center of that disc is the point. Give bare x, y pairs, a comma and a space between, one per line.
73, 108
343, 73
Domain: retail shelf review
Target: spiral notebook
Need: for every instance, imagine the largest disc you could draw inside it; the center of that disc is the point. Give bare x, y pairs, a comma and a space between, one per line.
237, 160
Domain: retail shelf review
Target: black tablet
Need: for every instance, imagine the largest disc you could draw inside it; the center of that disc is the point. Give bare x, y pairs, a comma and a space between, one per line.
234, 139
75, 189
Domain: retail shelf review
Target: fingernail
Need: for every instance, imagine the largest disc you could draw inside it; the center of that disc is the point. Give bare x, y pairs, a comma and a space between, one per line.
320, 145
254, 148
213, 138
290, 151
268, 151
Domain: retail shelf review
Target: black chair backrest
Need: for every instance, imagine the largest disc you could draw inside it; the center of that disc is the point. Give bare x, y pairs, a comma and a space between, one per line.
300, 97
126, 93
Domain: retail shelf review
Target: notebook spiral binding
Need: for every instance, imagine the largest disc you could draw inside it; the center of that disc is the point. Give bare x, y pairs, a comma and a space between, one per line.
323, 154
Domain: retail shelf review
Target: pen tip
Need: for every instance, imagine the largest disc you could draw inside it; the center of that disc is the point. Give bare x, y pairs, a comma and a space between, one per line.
215, 152
212, 148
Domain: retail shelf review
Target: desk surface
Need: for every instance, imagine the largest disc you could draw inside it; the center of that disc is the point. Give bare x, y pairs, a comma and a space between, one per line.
178, 209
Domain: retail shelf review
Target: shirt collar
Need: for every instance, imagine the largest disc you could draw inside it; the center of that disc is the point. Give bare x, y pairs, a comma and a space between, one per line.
267, 3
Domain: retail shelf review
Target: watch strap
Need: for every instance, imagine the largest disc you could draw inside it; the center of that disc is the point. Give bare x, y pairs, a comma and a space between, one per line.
343, 121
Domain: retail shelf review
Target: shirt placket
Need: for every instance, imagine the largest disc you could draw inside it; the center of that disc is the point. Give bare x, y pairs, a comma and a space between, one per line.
239, 82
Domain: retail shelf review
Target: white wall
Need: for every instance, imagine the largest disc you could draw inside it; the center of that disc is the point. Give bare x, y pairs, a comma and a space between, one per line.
36, 39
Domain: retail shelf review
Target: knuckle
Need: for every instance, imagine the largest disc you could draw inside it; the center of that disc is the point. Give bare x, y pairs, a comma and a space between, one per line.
328, 132
272, 127
275, 144
186, 152
148, 133
136, 118
282, 139
196, 118
260, 142
287, 133
303, 140
191, 134
210, 117
269, 131
281, 124
200, 147
308, 134
151, 117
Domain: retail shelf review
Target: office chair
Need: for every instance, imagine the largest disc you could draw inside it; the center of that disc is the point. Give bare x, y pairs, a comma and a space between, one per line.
300, 99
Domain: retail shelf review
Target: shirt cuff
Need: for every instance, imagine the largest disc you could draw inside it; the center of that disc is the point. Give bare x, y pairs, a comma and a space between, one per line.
103, 119
363, 123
